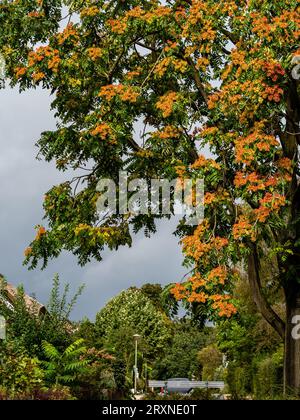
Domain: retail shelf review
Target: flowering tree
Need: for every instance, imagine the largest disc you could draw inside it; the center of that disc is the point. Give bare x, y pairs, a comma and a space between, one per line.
197, 74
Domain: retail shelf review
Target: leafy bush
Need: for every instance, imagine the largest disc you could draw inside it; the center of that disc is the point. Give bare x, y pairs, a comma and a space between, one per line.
62, 393
180, 359
20, 373
132, 311
238, 380
211, 359
268, 377
64, 367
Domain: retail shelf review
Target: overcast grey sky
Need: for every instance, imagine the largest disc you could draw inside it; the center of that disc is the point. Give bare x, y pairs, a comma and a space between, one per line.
24, 180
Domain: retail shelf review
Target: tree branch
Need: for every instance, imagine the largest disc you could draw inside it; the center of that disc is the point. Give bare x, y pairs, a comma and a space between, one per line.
134, 145
256, 288
197, 79
229, 35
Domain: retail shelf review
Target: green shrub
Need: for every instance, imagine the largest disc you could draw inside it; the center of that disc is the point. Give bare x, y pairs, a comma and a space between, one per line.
20, 373
268, 377
238, 380
61, 393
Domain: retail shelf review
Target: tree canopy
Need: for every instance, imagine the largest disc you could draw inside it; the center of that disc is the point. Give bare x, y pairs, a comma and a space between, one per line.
129, 313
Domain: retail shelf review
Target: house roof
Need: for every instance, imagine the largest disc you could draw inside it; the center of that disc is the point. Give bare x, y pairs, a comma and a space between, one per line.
10, 296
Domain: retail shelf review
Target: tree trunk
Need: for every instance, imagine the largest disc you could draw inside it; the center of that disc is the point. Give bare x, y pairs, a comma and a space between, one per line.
256, 290
292, 339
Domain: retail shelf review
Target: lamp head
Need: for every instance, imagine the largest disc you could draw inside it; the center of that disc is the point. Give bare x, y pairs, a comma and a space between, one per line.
136, 337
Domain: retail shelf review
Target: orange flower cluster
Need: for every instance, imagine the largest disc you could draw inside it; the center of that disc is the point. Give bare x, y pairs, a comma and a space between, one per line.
180, 14
20, 71
166, 103
118, 26
171, 46
219, 243
54, 63
102, 130
132, 74
229, 7
202, 63
221, 304
197, 282
218, 274
197, 247
196, 12
269, 204
68, 32
28, 251
197, 297
162, 11
213, 100
95, 53
285, 166
202, 162
35, 14
236, 95
168, 132
39, 54
38, 76
255, 182
89, 12
148, 16
285, 163
261, 26
243, 228
273, 93
181, 171
210, 198
180, 65
246, 147
273, 70
227, 71
126, 93
241, 179
136, 12
129, 94
262, 213
177, 64
179, 291
41, 232
194, 246
182, 291
208, 33
238, 57
110, 91
278, 27
208, 131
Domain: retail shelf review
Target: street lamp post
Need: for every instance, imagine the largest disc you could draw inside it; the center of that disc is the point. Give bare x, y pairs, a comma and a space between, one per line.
136, 339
